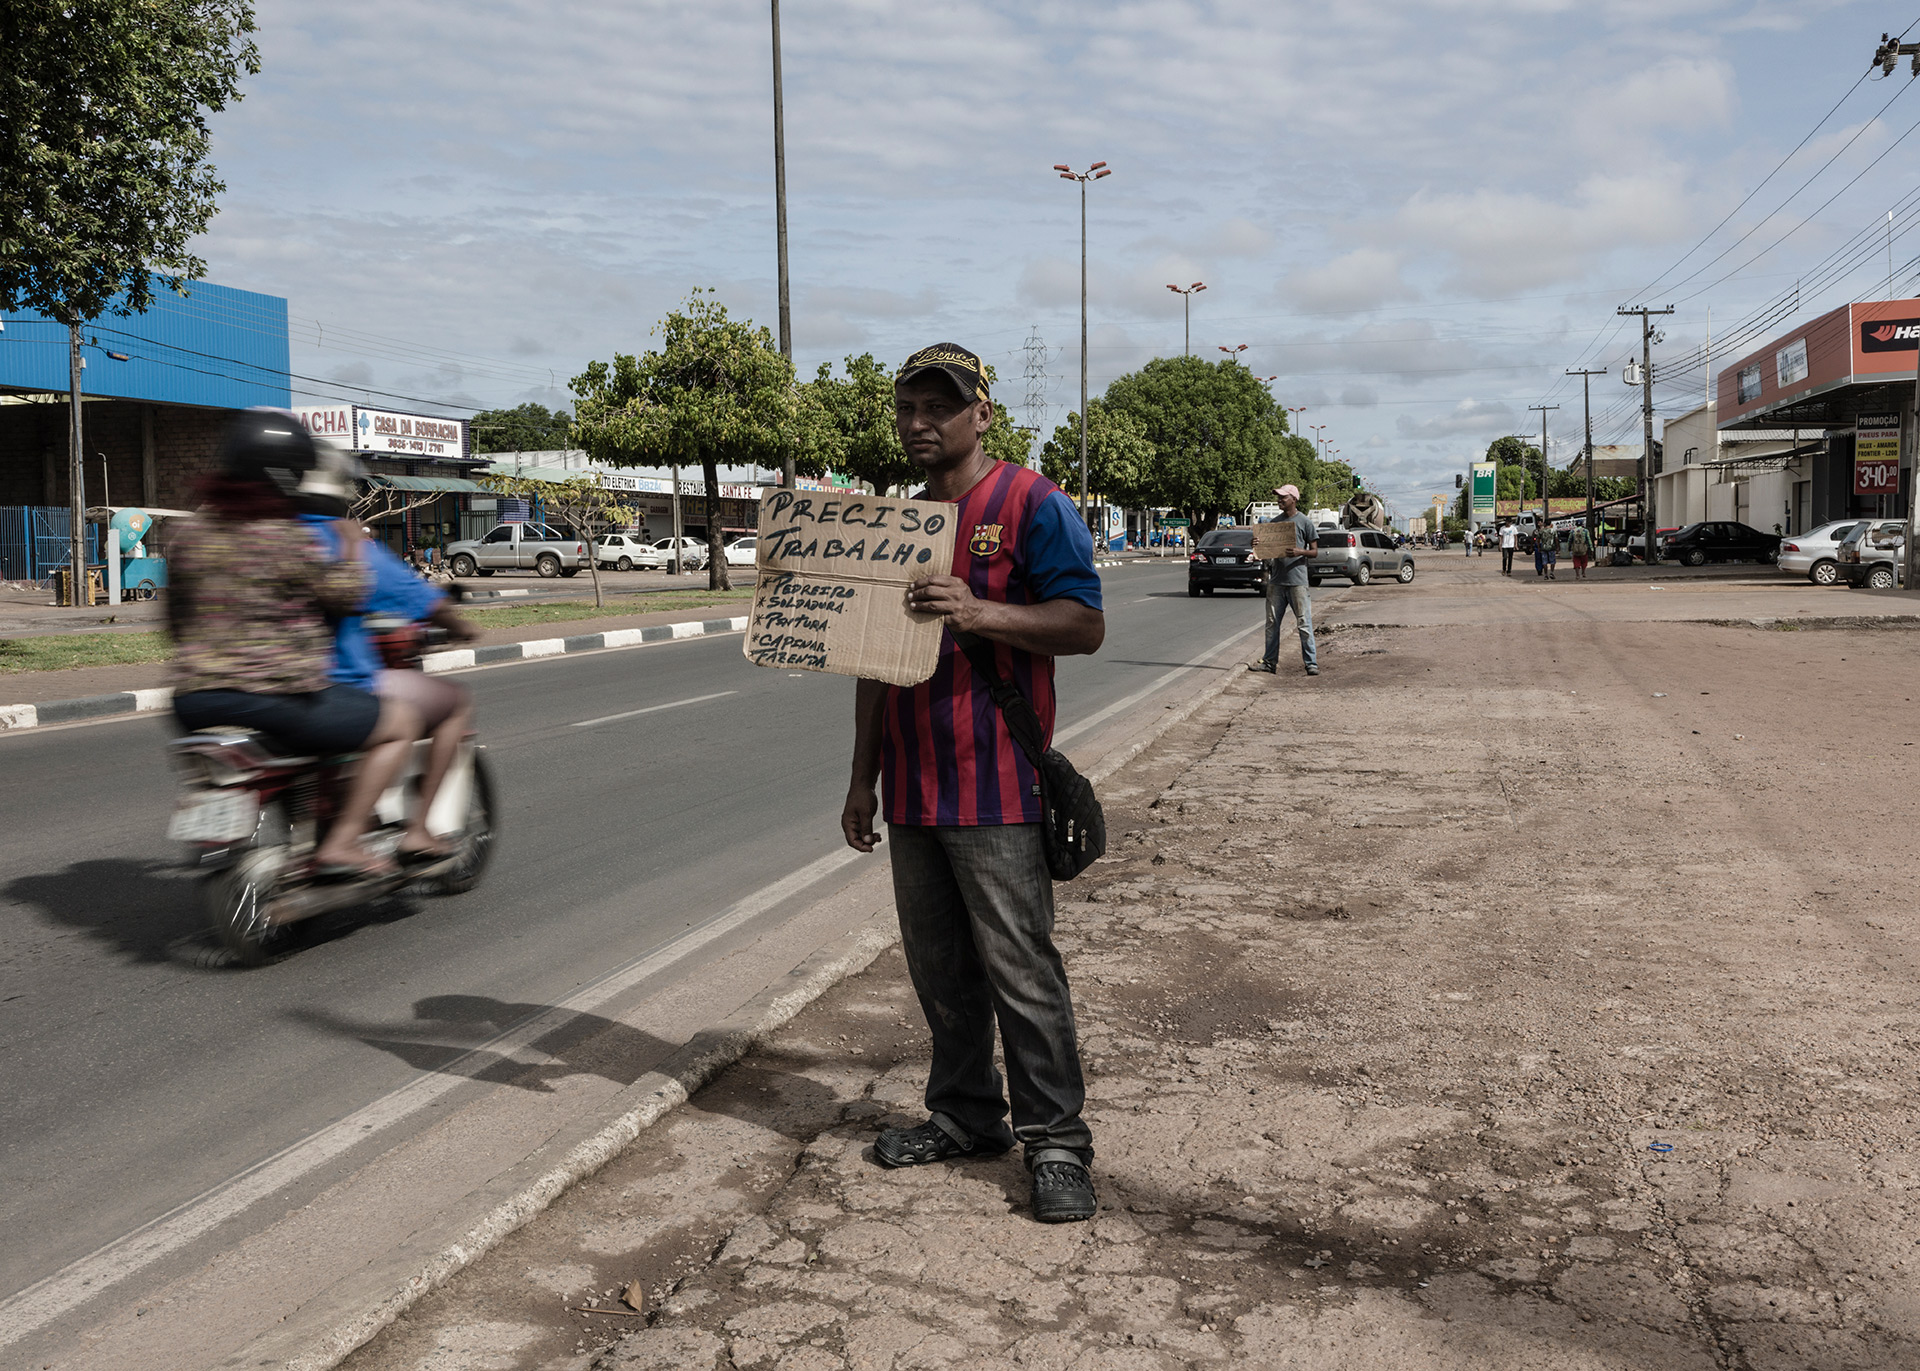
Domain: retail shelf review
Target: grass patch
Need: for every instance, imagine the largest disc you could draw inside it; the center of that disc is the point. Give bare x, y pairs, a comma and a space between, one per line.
64, 651
513, 616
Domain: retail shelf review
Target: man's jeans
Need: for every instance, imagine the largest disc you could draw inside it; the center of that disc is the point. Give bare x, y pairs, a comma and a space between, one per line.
976, 924
1279, 599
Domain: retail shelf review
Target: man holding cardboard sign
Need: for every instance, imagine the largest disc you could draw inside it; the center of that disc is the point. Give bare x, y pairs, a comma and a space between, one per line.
962, 801
1286, 545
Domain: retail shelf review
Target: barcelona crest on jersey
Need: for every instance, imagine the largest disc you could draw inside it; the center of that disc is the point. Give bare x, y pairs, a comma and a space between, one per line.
986, 539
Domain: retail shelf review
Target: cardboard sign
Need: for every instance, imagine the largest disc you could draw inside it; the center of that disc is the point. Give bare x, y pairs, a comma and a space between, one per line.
1276, 540
830, 590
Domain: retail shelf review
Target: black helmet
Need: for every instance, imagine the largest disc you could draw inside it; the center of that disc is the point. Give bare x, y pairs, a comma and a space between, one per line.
269, 447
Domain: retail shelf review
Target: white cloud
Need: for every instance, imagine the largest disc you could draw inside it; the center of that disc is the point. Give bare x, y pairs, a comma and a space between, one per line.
1357, 280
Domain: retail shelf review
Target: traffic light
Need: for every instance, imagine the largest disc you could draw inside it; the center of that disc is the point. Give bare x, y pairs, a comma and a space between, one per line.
1458, 480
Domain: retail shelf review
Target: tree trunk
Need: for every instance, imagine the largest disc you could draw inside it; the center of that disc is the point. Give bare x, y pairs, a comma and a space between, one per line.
593, 570
716, 559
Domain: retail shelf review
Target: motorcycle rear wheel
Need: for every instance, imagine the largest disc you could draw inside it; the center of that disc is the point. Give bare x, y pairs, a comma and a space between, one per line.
476, 837
237, 897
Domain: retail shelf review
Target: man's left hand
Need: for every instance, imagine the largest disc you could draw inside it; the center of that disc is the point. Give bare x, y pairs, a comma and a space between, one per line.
948, 596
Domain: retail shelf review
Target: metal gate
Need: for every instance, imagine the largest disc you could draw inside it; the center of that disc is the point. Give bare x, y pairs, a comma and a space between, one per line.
33, 541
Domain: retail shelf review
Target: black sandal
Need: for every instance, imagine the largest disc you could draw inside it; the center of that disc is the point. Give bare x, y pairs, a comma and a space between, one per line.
927, 1143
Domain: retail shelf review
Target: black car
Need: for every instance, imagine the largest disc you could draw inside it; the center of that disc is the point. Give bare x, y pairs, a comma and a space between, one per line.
1719, 541
1225, 557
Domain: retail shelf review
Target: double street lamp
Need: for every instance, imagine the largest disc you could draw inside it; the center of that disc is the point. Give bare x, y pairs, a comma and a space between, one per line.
1186, 294
1092, 173
1233, 354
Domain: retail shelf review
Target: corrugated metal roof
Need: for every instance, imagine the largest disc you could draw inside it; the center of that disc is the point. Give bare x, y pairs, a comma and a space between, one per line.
448, 483
216, 346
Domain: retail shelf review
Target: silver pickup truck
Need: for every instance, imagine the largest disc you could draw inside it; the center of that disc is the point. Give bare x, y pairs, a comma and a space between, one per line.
518, 547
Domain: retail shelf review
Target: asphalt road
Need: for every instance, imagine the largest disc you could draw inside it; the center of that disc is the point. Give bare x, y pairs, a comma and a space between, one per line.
139, 1073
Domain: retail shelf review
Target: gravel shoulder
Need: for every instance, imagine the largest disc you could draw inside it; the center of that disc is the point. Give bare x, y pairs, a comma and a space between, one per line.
1494, 1000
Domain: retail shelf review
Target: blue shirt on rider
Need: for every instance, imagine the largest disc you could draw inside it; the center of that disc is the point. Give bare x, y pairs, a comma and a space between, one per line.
397, 593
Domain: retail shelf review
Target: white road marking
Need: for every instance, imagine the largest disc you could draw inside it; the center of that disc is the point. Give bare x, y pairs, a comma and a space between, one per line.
1158, 683
46, 1300
655, 709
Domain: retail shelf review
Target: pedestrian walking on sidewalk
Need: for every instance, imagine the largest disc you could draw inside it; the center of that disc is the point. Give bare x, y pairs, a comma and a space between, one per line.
1547, 551
1288, 587
1581, 546
962, 803
1509, 539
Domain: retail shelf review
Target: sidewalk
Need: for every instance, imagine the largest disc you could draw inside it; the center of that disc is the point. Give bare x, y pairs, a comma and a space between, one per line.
1459, 1019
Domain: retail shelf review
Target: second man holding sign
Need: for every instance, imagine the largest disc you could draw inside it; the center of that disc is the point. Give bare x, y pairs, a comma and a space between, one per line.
1288, 588
962, 802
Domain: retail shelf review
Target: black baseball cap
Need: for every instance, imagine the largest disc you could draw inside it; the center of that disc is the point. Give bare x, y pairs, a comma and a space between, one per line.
958, 365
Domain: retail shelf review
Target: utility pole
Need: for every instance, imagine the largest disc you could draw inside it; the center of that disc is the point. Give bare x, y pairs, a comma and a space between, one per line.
1092, 173
76, 478
1586, 407
1648, 499
1546, 509
780, 229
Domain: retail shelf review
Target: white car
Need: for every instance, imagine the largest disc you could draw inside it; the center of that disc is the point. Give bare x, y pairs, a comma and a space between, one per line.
743, 551
1811, 554
624, 552
693, 552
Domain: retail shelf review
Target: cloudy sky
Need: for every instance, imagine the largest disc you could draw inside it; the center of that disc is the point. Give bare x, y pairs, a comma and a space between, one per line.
1415, 215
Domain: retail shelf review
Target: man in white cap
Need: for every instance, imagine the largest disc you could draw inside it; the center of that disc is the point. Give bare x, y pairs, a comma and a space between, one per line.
1287, 587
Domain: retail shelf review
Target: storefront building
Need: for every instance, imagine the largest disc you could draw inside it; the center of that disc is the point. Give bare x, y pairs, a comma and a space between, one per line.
420, 472
1843, 386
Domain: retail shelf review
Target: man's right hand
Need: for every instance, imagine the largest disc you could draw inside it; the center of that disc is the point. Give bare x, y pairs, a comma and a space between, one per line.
856, 818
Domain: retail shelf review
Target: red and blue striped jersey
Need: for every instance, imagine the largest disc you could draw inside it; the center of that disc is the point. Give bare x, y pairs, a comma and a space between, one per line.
946, 755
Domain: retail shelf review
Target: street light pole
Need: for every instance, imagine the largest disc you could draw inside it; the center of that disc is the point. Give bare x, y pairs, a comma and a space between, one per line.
780, 222
1092, 173
1186, 308
76, 479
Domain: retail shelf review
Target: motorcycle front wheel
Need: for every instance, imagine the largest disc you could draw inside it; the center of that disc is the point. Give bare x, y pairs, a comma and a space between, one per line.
238, 897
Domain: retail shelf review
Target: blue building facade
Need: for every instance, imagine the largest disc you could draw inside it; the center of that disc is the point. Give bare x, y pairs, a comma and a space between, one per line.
157, 389
214, 347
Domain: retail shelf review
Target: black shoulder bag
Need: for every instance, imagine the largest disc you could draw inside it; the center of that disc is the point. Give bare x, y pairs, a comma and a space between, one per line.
1072, 825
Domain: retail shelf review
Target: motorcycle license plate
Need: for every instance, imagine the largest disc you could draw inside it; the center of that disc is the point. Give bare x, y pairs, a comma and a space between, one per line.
220, 816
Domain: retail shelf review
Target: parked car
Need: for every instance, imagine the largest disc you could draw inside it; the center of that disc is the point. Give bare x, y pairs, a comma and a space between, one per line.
693, 552
1225, 557
523, 547
1362, 555
1719, 540
623, 552
743, 551
1873, 553
1811, 554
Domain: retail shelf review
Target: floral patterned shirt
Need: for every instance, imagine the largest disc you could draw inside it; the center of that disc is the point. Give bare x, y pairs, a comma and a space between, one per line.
248, 604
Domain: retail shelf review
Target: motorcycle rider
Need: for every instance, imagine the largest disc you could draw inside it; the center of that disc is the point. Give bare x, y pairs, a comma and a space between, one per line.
248, 606
445, 709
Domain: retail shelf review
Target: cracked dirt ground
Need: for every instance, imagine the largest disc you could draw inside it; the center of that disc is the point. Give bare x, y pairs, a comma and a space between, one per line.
1493, 1001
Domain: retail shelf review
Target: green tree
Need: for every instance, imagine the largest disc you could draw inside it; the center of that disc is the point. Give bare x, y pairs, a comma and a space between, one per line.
580, 503
858, 411
1518, 473
1120, 457
717, 393
104, 178
524, 428
1215, 430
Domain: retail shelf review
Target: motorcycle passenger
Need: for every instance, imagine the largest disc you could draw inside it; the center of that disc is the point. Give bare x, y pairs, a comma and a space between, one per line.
445, 709
248, 608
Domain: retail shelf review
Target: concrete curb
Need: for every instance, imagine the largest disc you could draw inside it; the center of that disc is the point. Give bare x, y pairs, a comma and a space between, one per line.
638, 1108
15, 717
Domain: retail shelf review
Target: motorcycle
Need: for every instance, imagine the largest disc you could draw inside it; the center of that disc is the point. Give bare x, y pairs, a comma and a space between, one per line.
251, 818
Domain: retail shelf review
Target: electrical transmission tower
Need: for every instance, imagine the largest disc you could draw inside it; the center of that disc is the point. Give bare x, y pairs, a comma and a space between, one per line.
1038, 383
